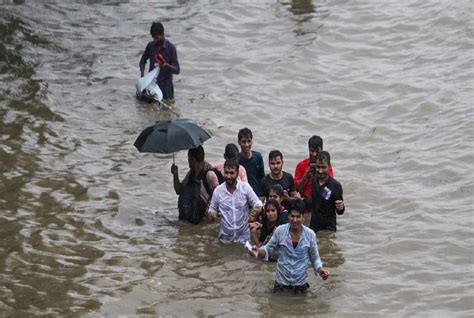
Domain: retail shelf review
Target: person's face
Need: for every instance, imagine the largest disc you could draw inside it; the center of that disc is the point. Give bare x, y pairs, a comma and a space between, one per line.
276, 165
159, 38
313, 153
274, 195
296, 220
322, 169
245, 144
271, 213
230, 175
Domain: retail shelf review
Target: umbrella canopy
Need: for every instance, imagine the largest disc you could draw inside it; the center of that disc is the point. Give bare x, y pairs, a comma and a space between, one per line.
170, 136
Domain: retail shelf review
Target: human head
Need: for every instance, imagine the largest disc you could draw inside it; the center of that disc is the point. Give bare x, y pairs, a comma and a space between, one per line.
231, 151
296, 214
276, 192
231, 171
323, 161
275, 162
195, 156
315, 145
245, 140
157, 31
245, 133
272, 210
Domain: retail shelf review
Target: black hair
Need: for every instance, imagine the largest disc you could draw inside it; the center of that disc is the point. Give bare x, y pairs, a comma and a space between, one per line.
324, 156
278, 189
315, 142
245, 133
231, 151
264, 215
197, 153
157, 28
298, 206
275, 153
231, 164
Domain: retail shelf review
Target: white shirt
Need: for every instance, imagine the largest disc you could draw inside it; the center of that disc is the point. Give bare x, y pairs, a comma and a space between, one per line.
233, 210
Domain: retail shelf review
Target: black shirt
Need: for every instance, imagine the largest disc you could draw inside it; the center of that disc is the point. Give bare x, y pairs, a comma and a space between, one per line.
286, 182
323, 202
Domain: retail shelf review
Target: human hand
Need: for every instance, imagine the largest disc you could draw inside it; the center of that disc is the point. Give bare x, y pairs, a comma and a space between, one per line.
255, 226
324, 273
211, 216
339, 205
174, 169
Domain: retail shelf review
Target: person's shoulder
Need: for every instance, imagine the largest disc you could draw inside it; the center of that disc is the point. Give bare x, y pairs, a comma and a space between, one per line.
220, 188
287, 175
334, 182
243, 185
169, 43
280, 229
151, 44
257, 154
305, 161
308, 231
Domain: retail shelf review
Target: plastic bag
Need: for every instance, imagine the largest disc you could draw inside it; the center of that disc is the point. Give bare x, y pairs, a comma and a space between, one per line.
147, 88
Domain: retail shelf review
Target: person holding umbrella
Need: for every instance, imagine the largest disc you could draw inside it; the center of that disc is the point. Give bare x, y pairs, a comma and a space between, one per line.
197, 170
197, 186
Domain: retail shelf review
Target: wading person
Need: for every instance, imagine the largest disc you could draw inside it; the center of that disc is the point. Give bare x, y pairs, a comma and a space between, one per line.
296, 246
326, 200
250, 159
306, 168
199, 181
232, 152
278, 176
230, 202
162, 52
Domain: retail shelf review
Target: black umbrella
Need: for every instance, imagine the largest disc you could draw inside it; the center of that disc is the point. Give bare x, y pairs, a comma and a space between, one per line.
171, 136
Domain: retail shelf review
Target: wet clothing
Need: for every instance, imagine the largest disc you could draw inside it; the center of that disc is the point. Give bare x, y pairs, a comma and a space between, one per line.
300, 289
293, 262
323, 203
267, 182
233, 210
255, 169
165, 76
301, 168
211, 179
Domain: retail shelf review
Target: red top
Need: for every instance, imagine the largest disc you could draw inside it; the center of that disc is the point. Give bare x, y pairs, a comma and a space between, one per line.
301, 168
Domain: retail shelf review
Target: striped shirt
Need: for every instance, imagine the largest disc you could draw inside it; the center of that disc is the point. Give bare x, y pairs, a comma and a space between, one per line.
293, 262
233, 210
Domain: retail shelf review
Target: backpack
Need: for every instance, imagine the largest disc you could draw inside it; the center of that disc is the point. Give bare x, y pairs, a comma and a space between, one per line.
191, 206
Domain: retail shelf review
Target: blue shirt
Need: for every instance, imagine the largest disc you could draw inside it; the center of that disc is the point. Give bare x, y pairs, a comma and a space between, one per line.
255, 169
293, 262
165, 76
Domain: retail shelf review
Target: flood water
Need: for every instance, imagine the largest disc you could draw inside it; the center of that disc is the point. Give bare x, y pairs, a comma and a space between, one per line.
89, 226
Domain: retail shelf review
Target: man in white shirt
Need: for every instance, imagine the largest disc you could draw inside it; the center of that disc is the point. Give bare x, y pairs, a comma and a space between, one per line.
230, 202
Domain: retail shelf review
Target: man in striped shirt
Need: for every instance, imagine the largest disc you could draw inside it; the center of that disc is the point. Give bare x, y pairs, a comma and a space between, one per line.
230, 202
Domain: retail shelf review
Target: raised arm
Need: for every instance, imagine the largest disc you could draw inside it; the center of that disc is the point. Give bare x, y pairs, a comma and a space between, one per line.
178, 185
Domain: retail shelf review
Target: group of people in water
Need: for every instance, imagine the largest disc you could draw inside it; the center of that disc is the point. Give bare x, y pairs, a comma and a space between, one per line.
267, 210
